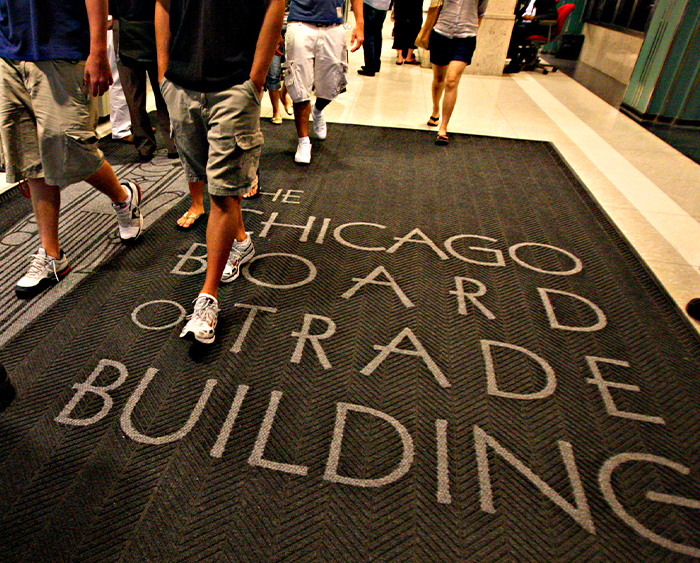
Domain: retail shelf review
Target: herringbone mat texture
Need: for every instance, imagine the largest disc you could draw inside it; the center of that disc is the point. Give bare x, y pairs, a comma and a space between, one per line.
439, 354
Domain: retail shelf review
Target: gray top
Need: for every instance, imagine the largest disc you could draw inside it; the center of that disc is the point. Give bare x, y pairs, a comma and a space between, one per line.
460, 18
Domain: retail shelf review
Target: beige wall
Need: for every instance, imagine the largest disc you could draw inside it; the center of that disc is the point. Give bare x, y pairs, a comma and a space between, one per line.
611, 52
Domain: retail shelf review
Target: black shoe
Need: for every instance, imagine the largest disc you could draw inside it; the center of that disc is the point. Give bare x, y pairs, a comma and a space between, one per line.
511, 68
146, 156
693, 308
364, 72
7, 391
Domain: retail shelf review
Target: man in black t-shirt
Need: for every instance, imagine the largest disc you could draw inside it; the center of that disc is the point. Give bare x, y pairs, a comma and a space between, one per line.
213, 58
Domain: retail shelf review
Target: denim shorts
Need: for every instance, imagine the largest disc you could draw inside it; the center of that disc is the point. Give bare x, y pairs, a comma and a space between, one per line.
47, 122
444, 49
217, 135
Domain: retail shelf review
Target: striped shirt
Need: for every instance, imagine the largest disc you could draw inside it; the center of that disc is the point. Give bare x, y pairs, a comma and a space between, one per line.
460, 18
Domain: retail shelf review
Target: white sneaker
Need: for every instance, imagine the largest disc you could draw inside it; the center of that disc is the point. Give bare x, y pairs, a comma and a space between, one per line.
241, 252
44, 271
129, 214
320, 127
303, 155
202, 321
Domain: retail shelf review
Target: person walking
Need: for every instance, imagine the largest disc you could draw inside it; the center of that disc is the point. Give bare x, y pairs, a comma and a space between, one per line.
213, 58
317, 61
53, 65
374, 12
452, 43
408, 19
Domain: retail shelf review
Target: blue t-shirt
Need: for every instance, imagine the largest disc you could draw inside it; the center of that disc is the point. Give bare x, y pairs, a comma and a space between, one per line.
316, 11
36, 30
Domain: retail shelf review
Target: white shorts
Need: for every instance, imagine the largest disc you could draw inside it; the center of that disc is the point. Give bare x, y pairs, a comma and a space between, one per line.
317, 60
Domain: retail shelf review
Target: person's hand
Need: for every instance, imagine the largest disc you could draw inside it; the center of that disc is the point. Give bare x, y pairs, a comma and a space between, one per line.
98, 76
357, 38
280, 47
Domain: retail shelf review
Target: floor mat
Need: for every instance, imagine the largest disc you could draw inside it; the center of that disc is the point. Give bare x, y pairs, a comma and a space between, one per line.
438, 354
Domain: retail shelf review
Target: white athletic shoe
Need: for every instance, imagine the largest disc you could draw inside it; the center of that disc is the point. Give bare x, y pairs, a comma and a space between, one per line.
320, 127
129, 214
303, 155
241, 252
44, 271
202, 321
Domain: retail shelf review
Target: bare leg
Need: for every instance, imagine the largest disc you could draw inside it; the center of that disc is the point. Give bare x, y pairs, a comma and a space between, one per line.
225, 225
438, 87
302, 112
197, 204
410, 56
46, 202
454, 74
286, 99
106, 182
275, 100
399, 56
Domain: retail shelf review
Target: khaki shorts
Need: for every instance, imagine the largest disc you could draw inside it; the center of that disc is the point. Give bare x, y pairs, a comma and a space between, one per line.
217, 135
47, 122
317, 59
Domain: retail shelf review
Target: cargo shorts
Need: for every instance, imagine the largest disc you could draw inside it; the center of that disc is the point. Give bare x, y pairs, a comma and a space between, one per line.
217, 135
47, 122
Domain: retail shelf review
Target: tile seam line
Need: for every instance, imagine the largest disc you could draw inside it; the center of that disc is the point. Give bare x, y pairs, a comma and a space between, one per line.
552, 107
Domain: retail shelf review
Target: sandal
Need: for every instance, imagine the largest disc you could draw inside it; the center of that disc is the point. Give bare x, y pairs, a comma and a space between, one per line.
193, 217
399, 62
254, 192
442, 139
433, 121
412, 61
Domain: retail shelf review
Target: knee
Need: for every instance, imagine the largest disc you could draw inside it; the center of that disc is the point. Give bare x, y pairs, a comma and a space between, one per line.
451, 84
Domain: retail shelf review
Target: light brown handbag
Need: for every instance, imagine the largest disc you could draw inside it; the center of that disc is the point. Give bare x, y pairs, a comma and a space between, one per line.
423, 38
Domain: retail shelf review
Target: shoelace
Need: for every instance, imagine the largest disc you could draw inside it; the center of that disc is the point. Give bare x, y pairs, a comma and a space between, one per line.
38, 265
123, 215
237, 251
205, 309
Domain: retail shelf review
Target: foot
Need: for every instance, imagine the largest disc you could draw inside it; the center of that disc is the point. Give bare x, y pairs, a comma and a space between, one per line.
319, 123
202, 321
512, 67
364, 72
254, 190
433, 120
44, 271
413, 61
399, 61
442, 139
7, 391
190, 218
241, 252
277, 119
693, 308
129, 214
146, 156
288, 105
303, 154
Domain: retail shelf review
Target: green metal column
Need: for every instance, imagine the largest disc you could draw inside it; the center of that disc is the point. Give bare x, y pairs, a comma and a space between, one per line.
665, 83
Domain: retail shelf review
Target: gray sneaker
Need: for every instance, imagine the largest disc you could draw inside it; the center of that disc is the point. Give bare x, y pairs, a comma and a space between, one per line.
241, 252
129, 216
44, 271
202, 322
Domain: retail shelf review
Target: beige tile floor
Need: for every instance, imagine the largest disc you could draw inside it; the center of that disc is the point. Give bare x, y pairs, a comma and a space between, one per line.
650, 190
